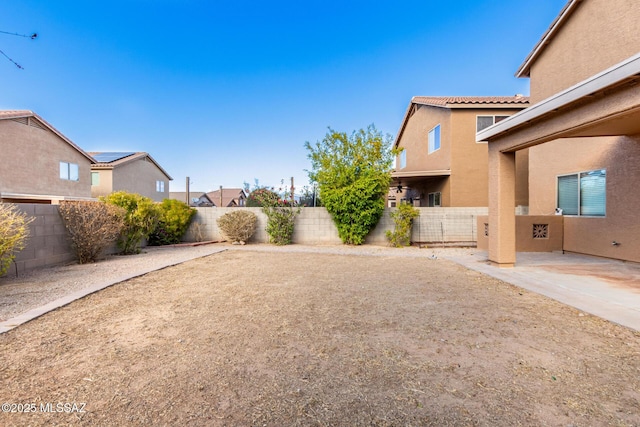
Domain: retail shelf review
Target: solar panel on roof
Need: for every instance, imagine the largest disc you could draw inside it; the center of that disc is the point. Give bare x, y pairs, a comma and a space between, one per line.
111, 157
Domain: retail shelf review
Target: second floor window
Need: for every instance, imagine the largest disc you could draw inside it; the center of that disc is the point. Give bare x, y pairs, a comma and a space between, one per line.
483, 122
69, 171
434, 139
403, 159
160, 186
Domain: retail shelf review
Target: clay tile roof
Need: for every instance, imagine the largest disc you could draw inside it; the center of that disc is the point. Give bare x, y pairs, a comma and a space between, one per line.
468, 101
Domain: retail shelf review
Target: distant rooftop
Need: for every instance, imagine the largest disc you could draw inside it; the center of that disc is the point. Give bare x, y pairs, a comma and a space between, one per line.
110, 157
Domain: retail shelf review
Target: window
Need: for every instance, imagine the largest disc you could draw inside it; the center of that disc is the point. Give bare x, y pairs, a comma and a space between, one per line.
434, 139
434, 200
95, 178
583, 193
483, 122
69, 171
160, 186
403, 159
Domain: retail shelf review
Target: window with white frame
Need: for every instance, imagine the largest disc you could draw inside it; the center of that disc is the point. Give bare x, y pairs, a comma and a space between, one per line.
95, 178
483, 122
402, 162
434, 200
434, 139
160, 186
69, 171
583, 194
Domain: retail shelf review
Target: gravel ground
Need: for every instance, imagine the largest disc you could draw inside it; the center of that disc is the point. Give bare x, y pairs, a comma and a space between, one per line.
41, 286
327, 336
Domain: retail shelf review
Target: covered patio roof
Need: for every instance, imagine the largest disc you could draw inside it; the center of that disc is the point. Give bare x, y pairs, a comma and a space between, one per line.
603, 105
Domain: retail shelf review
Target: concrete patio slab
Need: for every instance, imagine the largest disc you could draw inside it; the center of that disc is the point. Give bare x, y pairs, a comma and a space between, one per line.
603, 287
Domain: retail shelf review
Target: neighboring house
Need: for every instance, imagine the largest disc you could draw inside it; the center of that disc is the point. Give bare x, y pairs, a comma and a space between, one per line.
228, 197
441, 164
197, 199
38, 163
131, 172
583, 135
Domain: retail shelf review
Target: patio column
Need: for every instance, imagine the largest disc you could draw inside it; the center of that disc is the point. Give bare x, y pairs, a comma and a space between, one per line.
502, 201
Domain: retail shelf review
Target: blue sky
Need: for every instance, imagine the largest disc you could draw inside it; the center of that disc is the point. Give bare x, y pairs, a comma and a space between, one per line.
229, 91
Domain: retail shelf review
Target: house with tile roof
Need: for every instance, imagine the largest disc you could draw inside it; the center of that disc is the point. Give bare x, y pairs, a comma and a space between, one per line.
196, 199
441, 164
228, 197
582, 133
134, 172
38, 163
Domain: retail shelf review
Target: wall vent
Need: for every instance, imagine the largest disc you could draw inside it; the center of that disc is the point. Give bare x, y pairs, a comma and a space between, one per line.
540, 231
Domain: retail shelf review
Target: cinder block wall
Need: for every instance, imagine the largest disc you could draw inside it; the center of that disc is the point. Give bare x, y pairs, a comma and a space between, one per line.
314, 226
48, 243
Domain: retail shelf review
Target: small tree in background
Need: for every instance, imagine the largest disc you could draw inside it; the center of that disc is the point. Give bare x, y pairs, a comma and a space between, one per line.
238, 226
14, 232
281, 216
173, 221
141, 218
258, 194
92, 227
353, 173
403, 218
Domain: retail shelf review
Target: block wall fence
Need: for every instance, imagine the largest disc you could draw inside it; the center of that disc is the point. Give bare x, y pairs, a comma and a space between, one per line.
49, 244
314, 226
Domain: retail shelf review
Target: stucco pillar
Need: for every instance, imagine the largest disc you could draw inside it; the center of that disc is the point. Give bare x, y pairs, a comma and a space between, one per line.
502, 199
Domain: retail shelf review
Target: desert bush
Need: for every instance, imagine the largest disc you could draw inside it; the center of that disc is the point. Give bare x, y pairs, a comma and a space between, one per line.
175, 217
14, 232
141, 218
403, 218
238, 226
198, 230
255, 197
281, 217
92, 226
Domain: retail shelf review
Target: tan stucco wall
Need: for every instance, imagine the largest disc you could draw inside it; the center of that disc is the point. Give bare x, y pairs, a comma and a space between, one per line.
601, 33
414, 140
30, 162
525, 241
468, 160
105, 185
620, 156
140, 177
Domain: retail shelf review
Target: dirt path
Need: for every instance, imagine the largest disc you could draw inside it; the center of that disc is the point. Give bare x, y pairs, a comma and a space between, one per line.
279, 339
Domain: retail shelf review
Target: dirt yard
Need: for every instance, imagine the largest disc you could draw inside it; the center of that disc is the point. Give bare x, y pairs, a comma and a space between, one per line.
258, 338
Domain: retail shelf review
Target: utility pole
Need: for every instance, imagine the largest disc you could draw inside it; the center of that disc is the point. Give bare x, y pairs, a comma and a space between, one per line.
188, 197
221, 197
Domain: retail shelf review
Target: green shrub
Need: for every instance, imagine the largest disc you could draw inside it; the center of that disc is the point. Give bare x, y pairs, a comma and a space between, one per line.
175, 217
281, 217
403, 219
92, 227
238, 226
140, 219
353, 173
14, 232
255, 197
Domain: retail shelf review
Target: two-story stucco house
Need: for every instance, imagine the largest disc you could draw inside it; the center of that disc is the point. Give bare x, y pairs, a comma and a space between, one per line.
132, 172
441, 164
38, 163
582, 132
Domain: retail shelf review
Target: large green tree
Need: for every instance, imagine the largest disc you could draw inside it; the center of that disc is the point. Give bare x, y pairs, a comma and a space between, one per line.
353, 173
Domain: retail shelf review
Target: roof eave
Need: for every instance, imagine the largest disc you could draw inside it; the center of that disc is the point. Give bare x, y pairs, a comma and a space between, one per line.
611, 76
525, 69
